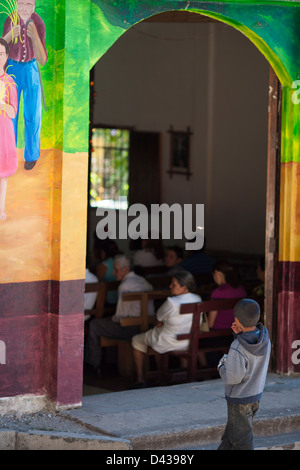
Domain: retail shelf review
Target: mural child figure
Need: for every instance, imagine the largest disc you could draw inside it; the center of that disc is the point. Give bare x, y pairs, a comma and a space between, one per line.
26, 39
8, 109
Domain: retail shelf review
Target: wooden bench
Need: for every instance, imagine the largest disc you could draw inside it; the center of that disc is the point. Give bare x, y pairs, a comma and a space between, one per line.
101, 308
144, 321
198, 341
92, 288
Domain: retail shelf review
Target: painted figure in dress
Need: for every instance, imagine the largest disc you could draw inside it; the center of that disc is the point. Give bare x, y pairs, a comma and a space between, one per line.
8, 109
25, 33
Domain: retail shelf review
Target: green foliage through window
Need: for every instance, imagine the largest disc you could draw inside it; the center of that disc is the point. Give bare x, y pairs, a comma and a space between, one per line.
109, 168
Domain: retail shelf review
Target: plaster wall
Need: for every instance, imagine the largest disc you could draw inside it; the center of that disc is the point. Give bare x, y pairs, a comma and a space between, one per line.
42, 241
211, 78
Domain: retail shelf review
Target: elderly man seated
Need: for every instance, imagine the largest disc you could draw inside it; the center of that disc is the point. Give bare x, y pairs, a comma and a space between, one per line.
110, 326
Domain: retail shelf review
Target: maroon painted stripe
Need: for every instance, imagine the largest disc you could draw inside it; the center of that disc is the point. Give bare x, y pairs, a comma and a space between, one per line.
289, 276
41, 324
67, 297
288, 324
65, 359
40, 297
24, 370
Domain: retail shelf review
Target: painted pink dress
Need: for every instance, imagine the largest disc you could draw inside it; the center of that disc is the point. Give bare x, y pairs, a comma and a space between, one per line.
8, 151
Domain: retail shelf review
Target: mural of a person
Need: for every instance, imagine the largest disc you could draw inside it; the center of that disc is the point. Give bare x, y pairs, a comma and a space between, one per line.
26, 39
8, 109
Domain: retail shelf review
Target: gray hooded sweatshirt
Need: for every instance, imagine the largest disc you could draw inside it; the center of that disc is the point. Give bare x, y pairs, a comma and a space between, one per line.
245, 368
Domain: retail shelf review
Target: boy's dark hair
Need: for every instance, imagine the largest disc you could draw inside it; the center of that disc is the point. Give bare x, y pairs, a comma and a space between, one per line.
247, 311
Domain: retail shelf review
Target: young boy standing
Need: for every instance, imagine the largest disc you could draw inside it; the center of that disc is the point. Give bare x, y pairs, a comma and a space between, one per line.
244, 372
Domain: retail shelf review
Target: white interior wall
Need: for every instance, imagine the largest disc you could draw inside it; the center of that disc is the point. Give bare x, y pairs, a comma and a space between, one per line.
211, 78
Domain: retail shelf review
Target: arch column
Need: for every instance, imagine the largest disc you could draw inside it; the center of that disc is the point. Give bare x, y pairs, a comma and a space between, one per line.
288, 324
69, 210
43, 241
42, 282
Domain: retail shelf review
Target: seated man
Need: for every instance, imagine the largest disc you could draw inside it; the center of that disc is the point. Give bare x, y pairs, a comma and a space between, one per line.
89, 297
110, 326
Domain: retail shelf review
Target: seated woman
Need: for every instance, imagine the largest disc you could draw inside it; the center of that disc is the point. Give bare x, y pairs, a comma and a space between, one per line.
162, 338
229, 287
226, 278
104, 271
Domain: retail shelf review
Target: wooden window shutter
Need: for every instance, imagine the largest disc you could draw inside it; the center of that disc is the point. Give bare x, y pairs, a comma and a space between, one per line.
144, 168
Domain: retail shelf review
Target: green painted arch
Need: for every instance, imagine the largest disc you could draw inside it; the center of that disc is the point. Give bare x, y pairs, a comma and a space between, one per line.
261, 45
271, 26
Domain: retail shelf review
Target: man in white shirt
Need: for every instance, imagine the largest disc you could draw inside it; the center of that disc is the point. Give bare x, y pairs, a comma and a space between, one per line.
89, 297
110, 326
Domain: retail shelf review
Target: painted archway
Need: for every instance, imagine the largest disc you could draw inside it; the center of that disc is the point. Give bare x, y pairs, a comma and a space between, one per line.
42, 242
261, 25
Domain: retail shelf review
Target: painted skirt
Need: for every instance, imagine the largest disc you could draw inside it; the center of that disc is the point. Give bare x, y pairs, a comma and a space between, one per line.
8, 151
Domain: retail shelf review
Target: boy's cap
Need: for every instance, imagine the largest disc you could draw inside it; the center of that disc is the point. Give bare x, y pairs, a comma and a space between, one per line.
247, 311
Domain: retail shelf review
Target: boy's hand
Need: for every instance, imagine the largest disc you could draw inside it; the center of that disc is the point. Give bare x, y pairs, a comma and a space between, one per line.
222, 360
236, 329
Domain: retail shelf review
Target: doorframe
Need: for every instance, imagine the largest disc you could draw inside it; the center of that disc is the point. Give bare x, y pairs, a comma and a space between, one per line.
272, 211
272, 182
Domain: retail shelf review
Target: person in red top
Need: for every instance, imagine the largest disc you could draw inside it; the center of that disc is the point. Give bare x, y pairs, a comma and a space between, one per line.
229, 287
26, 39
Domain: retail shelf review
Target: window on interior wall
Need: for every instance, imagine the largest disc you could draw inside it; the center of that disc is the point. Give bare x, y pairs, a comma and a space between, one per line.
124, 168
109, 168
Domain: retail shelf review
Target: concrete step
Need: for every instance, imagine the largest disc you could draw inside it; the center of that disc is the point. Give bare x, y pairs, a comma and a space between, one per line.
209, 436
39, 440
187, 416
286, 441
